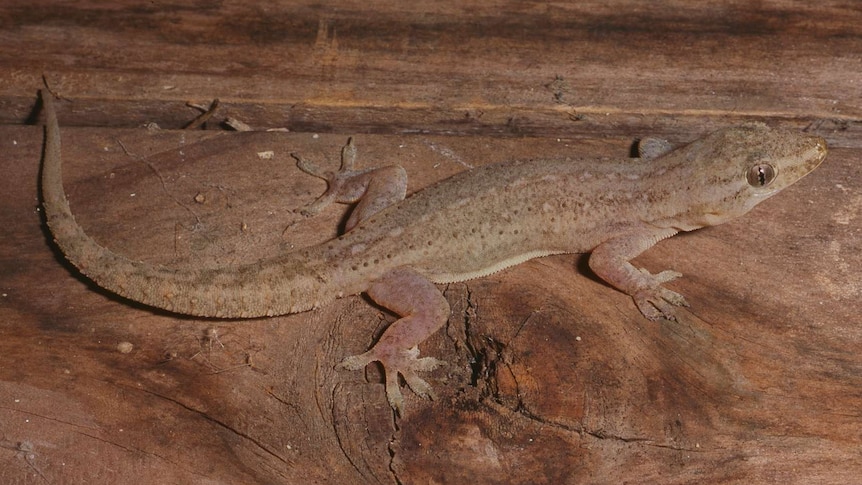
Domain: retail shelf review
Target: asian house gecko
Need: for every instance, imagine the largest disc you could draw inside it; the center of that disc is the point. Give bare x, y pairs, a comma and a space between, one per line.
470, 225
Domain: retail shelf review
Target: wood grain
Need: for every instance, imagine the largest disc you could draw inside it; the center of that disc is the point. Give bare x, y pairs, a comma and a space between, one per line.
506, 68
553, 377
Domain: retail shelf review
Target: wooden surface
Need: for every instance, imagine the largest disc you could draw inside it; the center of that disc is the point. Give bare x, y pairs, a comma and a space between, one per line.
553, 377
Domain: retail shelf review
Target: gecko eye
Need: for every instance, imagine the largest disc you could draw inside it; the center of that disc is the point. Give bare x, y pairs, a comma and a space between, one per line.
761, 175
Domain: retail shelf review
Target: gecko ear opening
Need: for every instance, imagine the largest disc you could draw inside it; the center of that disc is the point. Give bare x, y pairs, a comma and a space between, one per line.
761, 175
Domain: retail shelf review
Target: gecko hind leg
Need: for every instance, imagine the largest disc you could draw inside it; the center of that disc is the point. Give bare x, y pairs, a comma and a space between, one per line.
423, 310
373, 188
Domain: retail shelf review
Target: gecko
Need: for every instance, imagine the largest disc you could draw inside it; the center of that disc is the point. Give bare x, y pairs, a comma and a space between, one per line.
395, 249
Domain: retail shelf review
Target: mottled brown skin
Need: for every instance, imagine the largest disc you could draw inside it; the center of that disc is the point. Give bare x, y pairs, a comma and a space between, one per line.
470, 225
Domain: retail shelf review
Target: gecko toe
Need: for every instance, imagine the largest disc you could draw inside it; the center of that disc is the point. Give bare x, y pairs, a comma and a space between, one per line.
419, 386
648, 309
393, 393
666, 276
673, 298
356, 362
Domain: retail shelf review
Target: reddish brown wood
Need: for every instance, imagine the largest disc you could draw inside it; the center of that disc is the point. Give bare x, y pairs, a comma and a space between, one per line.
553, 377
504, 68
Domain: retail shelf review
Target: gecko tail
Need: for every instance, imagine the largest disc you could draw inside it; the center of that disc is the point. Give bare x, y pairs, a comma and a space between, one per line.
243, 292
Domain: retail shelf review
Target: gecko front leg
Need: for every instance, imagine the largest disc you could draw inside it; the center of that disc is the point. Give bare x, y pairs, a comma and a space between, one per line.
374, 188
423, 310
610, 261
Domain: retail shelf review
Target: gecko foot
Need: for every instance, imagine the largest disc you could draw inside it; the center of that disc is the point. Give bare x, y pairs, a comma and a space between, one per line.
656, 302
335, 180
404, 362
373, 188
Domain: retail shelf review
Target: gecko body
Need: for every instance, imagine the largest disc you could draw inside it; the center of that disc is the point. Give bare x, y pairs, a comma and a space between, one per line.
470, 225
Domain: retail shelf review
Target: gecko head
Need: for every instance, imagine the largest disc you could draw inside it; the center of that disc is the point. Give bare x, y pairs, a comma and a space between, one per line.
769, 160
736, 168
